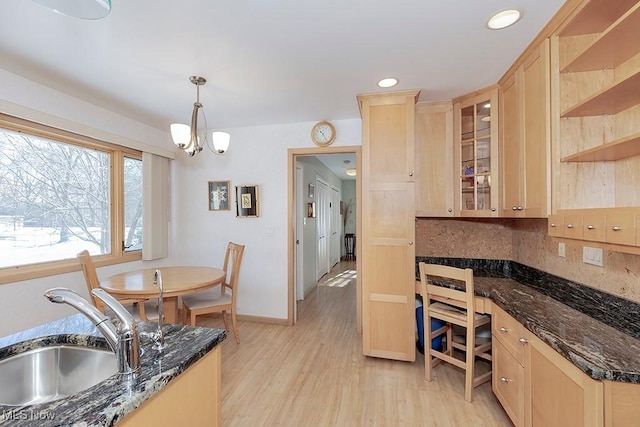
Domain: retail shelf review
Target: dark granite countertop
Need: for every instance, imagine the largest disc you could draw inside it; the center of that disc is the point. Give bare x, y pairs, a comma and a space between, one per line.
585, 336
111, 400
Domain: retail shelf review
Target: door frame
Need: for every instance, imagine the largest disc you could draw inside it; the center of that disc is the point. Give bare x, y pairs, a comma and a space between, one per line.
323, 223
291, 223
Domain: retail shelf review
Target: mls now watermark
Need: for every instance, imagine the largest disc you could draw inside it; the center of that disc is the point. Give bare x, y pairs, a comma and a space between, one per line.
25, 414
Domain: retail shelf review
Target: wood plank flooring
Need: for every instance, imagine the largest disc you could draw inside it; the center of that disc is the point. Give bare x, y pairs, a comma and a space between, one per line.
314, 374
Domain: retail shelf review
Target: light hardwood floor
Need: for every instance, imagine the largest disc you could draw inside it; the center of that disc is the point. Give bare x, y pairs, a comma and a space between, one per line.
314, 374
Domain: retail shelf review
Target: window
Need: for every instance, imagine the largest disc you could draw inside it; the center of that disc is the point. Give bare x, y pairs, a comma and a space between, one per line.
61, 193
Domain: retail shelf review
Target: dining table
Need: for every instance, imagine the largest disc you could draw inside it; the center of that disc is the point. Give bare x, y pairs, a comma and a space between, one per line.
176, 281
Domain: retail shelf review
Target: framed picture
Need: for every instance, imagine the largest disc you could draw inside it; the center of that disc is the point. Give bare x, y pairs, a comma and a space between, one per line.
311, 210
246, 201
311, 191
218, 195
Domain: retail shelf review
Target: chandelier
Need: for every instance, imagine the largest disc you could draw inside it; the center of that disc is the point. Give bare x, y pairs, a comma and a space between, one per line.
187, 138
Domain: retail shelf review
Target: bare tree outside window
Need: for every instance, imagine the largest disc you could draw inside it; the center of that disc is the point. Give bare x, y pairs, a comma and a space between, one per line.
55, 200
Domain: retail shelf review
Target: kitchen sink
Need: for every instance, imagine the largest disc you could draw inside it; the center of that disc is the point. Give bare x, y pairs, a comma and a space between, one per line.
50, 373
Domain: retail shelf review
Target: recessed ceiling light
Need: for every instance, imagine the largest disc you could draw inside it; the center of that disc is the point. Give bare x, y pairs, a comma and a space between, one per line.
503, 19
351, 171
388, 82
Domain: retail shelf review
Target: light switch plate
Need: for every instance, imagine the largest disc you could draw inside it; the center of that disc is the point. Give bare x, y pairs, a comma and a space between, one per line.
562, 250
592, 256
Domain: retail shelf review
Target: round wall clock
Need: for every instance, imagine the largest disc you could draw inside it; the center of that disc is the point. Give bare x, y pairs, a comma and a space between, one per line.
323, 134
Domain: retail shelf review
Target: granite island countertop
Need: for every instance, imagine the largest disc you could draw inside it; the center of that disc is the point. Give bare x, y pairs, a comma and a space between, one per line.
111, 400
595, 347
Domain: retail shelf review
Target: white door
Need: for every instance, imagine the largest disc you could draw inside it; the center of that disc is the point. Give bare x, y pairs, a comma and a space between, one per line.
323, 218
299, 213
335, 226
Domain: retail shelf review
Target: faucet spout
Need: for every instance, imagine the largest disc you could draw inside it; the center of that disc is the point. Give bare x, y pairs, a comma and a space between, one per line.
123, 338
159, 335
67, 296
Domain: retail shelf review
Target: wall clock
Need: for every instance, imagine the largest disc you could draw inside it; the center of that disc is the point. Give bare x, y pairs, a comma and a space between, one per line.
323, 134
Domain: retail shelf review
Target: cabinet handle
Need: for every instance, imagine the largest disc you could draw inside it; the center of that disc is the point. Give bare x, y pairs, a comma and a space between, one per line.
450, 210
569, 225
523, 340
503, 329
504, 379
590, 227
616, 228
514, 208
410, 242
410, 173
552, 225
519, 208
493, 209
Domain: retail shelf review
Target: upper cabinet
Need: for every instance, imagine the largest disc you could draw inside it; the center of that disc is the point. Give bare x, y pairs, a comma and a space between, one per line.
595, 72
525, 97
434, 159
476, 154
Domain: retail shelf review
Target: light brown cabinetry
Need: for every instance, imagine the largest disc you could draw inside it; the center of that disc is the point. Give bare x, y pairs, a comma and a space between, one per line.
596, 119
191, 399
476, 154
508, 372
388, 224
525, 109
536, 385
434, 159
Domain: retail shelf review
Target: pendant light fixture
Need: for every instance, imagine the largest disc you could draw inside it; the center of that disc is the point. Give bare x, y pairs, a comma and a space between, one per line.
187, 138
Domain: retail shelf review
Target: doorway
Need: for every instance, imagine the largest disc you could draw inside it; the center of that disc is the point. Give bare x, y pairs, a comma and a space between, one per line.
332, 217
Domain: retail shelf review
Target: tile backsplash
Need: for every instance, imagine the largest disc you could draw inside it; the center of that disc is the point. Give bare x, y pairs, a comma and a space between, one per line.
526, 241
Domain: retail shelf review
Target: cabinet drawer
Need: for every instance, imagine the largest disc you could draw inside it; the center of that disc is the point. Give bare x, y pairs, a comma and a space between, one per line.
621, 228
573, 226
509, 332
594, 226
508, 383
556, 225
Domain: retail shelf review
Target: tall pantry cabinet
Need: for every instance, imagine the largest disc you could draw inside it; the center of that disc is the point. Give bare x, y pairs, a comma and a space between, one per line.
388, 224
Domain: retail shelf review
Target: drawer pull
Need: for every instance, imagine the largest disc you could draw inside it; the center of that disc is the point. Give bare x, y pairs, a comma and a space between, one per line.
503, 329
493, 209
569, 225
450, 210
523, 340
519, 208
552, 225
590, 227
616, 228
514, 208
504, 379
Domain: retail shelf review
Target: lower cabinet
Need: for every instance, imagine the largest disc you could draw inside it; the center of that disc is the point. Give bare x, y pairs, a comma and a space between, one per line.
538, 387
191, 399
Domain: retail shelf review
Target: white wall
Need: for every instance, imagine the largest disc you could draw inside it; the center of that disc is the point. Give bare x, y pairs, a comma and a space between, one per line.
258, 155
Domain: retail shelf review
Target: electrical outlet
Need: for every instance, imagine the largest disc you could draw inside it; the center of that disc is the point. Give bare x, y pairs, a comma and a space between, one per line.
561, 250
592, 256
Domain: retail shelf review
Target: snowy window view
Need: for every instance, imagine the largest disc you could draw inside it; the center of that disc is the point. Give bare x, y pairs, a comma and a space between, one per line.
55, 200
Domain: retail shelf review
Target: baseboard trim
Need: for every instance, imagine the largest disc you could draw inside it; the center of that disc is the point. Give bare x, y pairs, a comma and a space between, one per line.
260, 319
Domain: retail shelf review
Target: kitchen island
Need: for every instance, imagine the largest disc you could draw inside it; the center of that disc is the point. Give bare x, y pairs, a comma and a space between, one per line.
187, 368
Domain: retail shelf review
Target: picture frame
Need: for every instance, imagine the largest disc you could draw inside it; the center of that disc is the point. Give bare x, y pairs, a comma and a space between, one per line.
311, 191
219, 195
247, 201
311, 210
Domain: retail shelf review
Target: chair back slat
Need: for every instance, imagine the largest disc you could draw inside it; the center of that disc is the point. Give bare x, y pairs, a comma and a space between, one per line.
455, 297
90, 277
231, 266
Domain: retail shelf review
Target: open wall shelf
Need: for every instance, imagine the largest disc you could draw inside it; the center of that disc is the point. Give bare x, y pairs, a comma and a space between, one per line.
615, 150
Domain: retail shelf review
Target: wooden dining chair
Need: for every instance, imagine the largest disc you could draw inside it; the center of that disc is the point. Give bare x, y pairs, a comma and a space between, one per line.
221, 298
453, 307
139, 308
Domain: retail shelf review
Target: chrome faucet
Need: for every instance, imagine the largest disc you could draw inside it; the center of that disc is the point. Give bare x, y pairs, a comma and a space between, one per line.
158, 337
123, 338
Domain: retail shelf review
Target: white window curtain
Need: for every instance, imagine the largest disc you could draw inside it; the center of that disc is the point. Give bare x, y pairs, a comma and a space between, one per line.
155, 206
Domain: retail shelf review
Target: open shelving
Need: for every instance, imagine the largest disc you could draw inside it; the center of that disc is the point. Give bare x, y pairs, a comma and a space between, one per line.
619, 149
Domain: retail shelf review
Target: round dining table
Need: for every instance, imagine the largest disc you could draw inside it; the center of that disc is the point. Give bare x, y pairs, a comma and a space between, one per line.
176, 281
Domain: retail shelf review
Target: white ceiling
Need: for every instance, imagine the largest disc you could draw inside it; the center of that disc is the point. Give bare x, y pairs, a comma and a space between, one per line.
266, 61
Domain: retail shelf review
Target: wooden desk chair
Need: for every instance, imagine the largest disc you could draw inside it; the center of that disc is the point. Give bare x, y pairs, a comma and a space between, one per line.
220, 298
139, 308
451, 306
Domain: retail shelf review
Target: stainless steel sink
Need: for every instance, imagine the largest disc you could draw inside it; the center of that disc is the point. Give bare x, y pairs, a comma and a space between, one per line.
51, 373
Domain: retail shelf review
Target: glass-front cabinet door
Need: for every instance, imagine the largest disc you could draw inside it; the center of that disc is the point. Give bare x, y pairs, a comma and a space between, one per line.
476, 155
